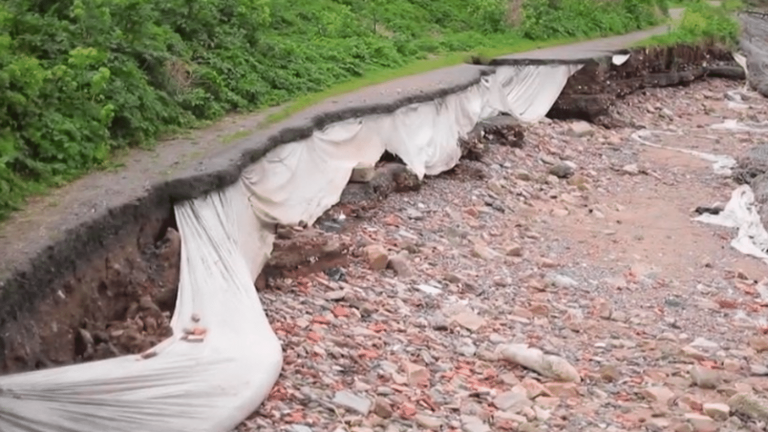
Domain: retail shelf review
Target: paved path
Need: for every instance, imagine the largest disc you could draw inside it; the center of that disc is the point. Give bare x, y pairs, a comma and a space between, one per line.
45, 220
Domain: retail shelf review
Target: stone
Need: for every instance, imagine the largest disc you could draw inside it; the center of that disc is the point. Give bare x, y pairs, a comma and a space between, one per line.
510, 378
758, 370
484, 252
562, 390
534, 389
352, 401
561, 171
377, 257
691, 352
300, 428
701, 423
580, 129
399, 263
660, 394
427, 421
511, 401
561, 281
473, 424
416, 374
704, 377
362, 175
750, 406
701, 343
514, 250
469, 320
718, 411
759, 343
631, 169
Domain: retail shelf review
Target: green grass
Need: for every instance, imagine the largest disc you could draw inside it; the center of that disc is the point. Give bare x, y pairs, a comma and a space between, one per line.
702, 22
415, 68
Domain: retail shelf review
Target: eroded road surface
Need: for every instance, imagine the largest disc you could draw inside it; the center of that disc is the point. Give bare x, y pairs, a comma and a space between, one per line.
580, 244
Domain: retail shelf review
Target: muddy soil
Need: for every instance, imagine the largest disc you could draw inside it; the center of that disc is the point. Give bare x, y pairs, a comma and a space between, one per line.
114, 304
580, 244
593, 90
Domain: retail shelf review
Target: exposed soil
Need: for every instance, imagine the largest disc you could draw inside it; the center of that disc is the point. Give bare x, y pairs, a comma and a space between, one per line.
115, 304
581, 244
592, 91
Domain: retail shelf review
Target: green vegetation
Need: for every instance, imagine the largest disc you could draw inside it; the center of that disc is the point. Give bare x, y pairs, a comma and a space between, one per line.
80, 79
702, 22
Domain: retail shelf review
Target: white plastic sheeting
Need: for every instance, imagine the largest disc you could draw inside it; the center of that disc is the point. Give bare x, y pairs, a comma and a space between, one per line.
741, 210
212, 380
721, 164
741, 213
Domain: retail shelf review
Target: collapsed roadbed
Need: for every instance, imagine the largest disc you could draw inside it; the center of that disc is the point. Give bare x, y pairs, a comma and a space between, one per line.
109, 288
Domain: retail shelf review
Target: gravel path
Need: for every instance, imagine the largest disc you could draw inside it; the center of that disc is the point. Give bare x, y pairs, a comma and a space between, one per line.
580, 244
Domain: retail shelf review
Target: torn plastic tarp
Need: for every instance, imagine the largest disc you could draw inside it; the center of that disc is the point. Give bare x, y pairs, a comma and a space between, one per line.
224, 358
741, 213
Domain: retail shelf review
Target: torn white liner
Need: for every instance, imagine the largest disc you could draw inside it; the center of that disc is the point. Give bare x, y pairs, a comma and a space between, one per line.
213, 384
741, 211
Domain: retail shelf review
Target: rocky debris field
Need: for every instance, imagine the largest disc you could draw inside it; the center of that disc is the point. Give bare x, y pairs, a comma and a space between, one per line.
560, 285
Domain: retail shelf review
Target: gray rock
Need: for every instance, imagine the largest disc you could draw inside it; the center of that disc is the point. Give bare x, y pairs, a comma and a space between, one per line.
473, 424
561, 171
580, 129
352, 401
561, 281
511, 401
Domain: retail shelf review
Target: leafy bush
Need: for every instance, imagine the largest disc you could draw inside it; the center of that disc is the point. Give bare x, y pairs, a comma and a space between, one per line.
580, 18
81, 78
703, 22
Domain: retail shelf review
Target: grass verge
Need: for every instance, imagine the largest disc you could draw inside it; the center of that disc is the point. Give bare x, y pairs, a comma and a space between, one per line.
702, 22
418, 67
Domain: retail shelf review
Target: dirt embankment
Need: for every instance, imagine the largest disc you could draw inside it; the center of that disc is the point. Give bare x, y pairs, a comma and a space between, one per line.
120, 300
592, 90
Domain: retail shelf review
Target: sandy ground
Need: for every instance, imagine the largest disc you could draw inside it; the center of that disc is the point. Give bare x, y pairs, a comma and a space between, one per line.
658, 318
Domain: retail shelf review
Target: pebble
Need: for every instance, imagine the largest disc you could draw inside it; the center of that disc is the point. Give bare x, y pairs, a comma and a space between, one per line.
352, 401
718, 411
704, 377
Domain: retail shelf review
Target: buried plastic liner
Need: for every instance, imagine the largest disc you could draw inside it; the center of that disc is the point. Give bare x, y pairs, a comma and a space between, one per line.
224, 357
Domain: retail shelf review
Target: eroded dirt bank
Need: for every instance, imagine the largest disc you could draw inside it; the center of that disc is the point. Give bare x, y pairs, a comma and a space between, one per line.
395, 307
579, 243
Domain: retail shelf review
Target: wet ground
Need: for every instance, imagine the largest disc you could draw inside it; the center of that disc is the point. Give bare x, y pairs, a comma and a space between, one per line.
580, 244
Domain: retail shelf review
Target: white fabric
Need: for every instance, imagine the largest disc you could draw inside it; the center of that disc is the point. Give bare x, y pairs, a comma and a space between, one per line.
721, 164
208, 386
619, 59
741, 213
211, 386
741, 210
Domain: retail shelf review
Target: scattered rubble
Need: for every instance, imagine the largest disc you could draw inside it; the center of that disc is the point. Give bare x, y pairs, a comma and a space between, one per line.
501, 296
